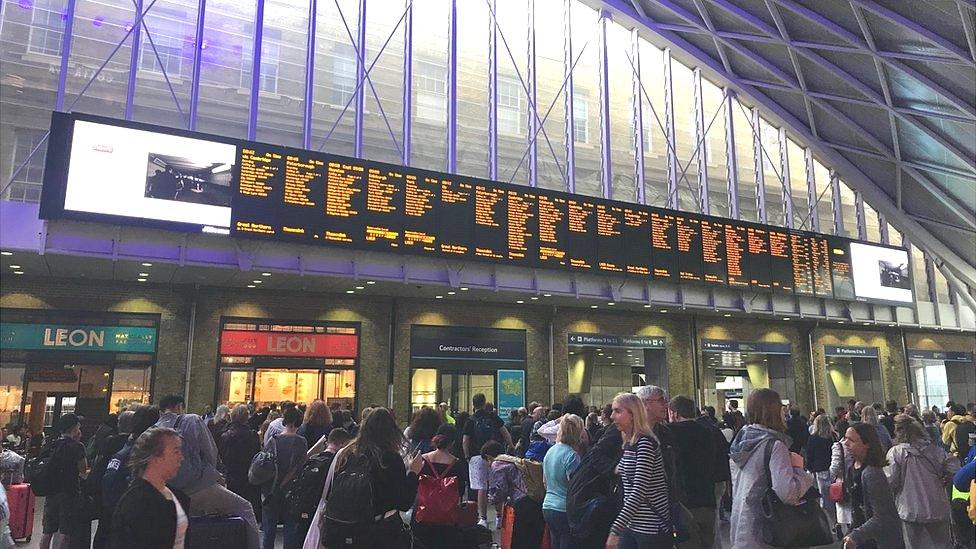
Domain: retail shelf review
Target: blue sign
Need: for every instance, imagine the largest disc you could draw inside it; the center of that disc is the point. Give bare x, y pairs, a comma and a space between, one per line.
864, 352
947, 356
511, 391
721, 345
601, 340
65, 337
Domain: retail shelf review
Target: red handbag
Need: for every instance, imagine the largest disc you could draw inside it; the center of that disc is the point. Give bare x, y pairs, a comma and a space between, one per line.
437, 498
836, 491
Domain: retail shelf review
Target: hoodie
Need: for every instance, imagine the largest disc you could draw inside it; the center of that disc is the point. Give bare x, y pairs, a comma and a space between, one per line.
918, 473
199, 467
751, 476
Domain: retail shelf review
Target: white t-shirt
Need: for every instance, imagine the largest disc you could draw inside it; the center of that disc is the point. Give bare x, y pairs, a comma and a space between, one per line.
181, 521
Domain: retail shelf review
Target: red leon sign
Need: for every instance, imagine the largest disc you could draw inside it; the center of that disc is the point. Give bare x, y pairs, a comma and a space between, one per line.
241, 343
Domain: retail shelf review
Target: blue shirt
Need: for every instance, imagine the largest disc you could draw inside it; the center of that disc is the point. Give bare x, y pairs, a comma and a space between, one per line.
560, 462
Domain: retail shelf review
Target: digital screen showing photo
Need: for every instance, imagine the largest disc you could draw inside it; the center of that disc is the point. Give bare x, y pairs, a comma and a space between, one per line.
881, 273
127, 172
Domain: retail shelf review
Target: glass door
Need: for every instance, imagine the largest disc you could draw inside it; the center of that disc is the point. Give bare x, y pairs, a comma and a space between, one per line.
457, 389
57, 405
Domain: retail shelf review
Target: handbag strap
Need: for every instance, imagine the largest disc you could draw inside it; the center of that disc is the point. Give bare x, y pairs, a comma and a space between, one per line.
438, 476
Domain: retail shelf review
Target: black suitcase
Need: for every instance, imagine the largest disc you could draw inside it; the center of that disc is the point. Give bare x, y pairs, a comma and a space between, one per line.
216, 532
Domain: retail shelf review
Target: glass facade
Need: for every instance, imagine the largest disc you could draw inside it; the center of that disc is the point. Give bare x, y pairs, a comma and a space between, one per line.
550, 93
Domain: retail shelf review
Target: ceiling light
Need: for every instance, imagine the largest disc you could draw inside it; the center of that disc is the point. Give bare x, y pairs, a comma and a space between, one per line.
18, 272
15, 266
438, 297
251, 286
647, 305
360, 287
546, 295
463, 288
350, 291
147, 264
534, 298
891, 325
611, 303
255, 281
520, 302
664, 310
370, 282
265, 274
143, 274
452, 292
786, 318
727, 315
593, 306
6, 253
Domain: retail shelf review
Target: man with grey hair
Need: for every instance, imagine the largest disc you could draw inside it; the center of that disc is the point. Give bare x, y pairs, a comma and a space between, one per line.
655, 401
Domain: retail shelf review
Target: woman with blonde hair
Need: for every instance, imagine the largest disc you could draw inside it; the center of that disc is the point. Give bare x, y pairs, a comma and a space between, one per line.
760, 455
317, 422
559, 464
645, 518
818, 459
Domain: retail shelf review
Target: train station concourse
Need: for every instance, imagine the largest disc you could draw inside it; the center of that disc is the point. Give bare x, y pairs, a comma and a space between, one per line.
402, 204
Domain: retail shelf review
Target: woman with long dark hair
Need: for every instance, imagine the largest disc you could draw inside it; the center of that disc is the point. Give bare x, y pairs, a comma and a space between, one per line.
373, 457
422, 429
753, 472
875, 519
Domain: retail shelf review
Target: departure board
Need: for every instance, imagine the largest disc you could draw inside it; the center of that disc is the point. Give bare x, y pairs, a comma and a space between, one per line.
264, 191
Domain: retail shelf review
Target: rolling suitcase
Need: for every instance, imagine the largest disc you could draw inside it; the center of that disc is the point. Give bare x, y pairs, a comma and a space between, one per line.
216, 532
21, 500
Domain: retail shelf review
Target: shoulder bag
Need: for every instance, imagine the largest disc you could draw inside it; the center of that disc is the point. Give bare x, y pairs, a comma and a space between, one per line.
785, 525
264, 465
836, 491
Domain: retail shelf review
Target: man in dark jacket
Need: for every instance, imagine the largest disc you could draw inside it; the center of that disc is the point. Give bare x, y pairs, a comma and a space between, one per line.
799, 431
696, 452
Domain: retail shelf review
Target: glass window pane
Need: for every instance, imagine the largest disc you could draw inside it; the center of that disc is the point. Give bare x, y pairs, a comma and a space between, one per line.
95, 37
383, 135
686, 141
918, 273
586, 99
11, 393
166, 52
334, 85
474, 26
941, 287
872, 223
551, 94
894, 236
430, 46
825, 207
713, 99
772, 180
621, 113
423, 388
513, 70
235, 387
849, 210
340, 389
129, 386
281, 105
655, 137
228, 37
796, 157
745, 157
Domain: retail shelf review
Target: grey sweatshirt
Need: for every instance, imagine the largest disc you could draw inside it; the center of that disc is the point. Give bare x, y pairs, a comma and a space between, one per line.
199, 468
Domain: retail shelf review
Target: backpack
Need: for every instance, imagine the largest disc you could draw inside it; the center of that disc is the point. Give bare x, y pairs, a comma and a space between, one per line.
264, 465
485, 430
351, 495
115, 479
303, 492
437, 497
44, 473
535, 485
594, 495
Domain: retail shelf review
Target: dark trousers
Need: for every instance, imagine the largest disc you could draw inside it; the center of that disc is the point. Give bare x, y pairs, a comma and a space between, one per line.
529, 524
633, 540
389, 533
272, 513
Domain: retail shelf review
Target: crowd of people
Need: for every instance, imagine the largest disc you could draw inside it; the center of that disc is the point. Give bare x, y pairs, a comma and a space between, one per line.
644, 471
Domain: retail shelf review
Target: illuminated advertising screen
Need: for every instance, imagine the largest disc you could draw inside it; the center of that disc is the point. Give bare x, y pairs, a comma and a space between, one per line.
124, 172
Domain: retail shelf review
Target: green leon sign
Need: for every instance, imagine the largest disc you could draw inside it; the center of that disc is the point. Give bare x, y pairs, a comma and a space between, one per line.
58, 337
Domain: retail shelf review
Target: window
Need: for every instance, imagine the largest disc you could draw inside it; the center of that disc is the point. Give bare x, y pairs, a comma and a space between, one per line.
510, 121
430, 79
46, 28
270, 55
167, 37
343, 79
26, 186
581, 115
769, 137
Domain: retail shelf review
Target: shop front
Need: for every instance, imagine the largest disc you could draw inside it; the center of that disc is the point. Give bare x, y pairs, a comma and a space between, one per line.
734, 368
600, 366
853, 372
270, 361
451, 364
91, 364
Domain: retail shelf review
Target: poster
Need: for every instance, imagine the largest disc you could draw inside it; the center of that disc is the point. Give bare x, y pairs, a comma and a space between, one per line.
511, 391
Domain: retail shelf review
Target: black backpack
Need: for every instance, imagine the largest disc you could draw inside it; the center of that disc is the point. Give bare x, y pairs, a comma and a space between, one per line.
594, 495
351, 493
44, 472
303, 492
485, 430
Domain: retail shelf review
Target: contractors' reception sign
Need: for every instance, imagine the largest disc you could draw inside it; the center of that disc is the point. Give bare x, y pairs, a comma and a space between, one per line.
63, 337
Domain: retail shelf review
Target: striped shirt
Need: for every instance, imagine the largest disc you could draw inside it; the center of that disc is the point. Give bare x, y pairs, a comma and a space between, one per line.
646, 507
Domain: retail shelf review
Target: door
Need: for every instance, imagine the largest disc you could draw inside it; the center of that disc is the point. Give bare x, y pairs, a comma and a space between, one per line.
457, 389
57, 405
